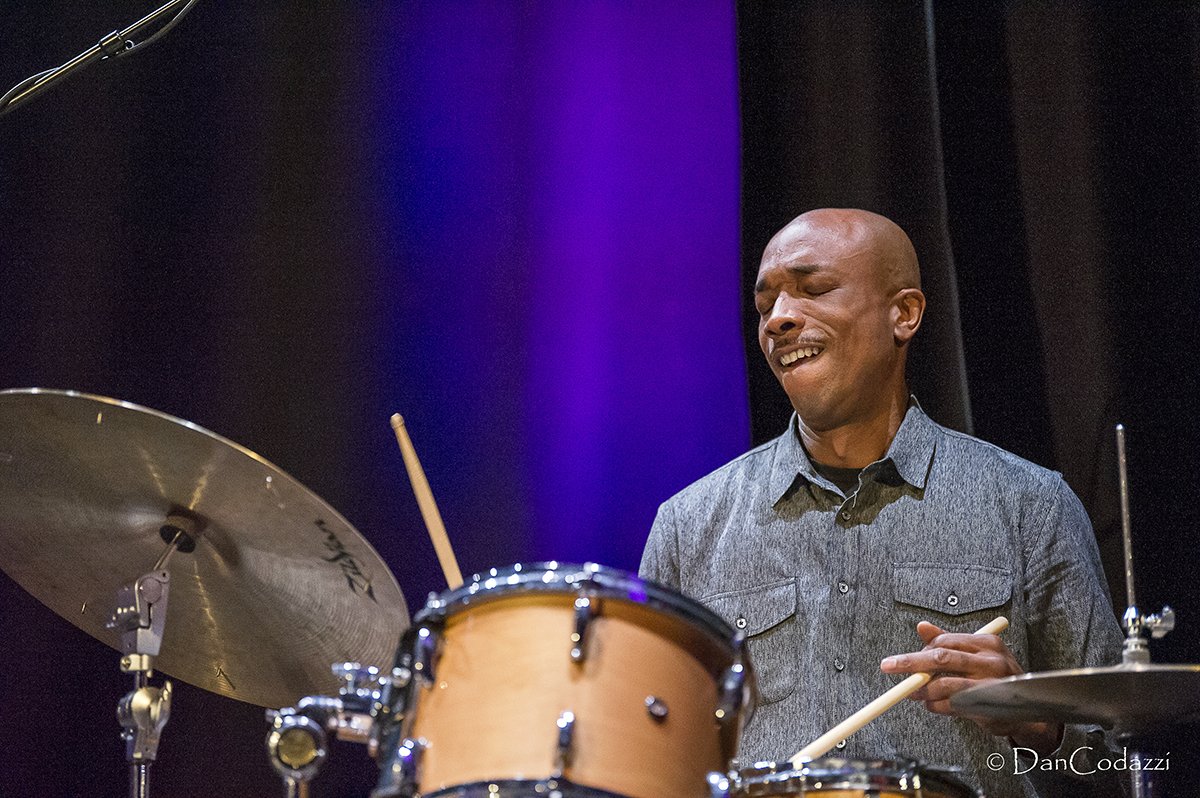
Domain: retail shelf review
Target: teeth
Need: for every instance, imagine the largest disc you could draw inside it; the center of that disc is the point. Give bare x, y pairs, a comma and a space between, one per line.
792, 357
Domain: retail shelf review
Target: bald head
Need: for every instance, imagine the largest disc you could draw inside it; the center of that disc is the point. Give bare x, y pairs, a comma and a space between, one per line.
838, 298
856, 232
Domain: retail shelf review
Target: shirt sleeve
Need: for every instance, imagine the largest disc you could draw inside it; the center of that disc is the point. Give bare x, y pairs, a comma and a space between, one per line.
1071, 625
660, 558
1071, 620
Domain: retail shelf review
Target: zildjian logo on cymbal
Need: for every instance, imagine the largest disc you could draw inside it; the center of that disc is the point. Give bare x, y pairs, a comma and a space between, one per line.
346, 562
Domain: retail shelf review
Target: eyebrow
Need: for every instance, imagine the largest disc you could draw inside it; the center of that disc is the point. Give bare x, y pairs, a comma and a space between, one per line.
792, 269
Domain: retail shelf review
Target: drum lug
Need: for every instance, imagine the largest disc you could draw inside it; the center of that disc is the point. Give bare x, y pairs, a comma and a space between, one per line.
401, 776
425, 655
735, 694
719, 786
657, 708
585, 610
564, 749
390, 712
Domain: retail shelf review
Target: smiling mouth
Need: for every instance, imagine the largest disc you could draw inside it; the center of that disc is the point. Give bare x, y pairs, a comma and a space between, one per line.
802, 353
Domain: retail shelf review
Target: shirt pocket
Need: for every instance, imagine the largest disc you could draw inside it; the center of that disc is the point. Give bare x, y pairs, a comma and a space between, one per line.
952, 589
766, 615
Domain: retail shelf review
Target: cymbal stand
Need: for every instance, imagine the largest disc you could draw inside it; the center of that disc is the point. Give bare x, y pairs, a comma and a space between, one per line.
1135, 652
141, 617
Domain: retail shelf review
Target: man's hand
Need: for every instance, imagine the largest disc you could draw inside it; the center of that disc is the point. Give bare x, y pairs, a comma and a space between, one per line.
959, 661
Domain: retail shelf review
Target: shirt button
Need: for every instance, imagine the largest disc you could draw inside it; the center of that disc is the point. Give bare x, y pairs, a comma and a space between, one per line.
740, 623
838, 665
841, 745
952, 600
843, 587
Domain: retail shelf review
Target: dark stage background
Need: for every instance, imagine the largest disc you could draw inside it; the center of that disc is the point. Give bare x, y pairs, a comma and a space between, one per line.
528, 228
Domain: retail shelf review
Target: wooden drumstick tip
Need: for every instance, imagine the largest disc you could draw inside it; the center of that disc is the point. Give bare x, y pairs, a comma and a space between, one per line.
397, 421
995, 626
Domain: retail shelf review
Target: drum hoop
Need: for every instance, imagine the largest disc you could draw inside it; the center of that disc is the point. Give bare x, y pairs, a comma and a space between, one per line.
522, 788
554, 577
780, 778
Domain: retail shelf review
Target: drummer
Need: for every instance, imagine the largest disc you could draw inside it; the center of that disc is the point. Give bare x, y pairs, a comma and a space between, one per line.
867, 531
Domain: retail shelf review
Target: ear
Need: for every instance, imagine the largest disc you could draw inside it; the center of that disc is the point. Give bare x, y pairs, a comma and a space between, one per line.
908, 306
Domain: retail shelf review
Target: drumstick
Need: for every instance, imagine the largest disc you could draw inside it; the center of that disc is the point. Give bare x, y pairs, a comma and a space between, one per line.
877, 707
429, 510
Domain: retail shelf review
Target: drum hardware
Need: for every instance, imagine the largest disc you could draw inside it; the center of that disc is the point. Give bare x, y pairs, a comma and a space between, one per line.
849, 778
719, 785
563, 751
737, 689
141, 618
1133, 698
297, 745
401, 773
424, 660
583, 617
296, 742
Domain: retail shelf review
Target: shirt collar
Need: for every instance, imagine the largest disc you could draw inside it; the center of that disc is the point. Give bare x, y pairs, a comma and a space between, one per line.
910, 453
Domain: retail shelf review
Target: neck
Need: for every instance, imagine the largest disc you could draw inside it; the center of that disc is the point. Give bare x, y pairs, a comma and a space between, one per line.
859, 443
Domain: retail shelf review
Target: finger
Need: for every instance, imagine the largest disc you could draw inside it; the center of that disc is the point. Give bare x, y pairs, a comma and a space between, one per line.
973, 643
928, 631
942, 688
930, 660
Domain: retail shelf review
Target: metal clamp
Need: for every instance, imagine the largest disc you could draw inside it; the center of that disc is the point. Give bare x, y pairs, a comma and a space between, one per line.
143, 714
141, 614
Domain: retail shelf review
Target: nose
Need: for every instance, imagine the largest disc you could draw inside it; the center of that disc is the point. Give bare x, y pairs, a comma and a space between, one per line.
786, 315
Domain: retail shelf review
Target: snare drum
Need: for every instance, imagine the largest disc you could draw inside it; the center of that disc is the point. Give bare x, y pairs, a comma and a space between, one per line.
571, 678
850, 778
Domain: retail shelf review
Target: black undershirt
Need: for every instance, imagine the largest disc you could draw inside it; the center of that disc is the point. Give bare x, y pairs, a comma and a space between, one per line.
845, 478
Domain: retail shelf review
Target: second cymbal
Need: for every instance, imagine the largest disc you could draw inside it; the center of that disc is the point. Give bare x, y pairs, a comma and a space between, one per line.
1130, 698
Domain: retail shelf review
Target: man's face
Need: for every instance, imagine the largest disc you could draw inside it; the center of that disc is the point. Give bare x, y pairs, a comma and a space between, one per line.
826, 323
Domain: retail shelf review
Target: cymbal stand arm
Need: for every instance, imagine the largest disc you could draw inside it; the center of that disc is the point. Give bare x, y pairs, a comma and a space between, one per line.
1136, 624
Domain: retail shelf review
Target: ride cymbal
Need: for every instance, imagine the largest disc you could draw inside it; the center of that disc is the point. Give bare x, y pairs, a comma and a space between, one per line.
278, 588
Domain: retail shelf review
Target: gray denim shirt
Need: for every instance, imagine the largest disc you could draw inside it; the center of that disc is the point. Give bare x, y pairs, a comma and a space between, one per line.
945, 528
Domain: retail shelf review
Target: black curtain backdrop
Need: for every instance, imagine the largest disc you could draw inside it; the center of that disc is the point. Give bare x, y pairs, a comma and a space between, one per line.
259, 226
1043, 157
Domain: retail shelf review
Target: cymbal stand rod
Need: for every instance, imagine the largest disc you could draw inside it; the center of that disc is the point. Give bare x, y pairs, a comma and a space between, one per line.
139, 771
171, 548
1126, 535
1136, 625
180, 533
